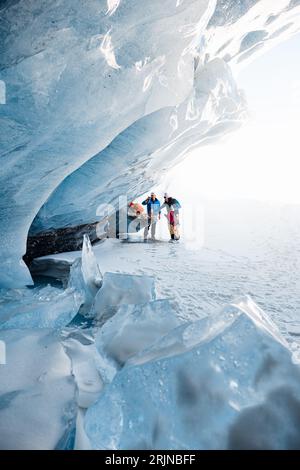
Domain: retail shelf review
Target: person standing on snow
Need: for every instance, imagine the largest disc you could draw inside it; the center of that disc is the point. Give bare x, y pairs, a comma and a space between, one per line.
153, 211
172, 206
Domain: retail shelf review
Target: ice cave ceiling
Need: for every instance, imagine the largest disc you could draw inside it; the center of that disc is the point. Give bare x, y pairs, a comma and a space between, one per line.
103, 96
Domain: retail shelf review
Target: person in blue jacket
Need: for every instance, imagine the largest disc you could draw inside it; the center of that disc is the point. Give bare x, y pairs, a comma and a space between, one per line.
153, 211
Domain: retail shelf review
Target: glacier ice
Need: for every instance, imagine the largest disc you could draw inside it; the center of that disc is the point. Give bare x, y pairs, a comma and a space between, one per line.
203, 387
65, 72
81, 350
85, 275
214, 100
47, 307
90, 270
264, 23
66, 117
134, 328
99, 99
37, 392
121, 289
81, 440
91, 373
52, 307
143, 377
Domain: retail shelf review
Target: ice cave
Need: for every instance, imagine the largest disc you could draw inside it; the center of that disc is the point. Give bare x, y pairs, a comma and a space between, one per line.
107, 343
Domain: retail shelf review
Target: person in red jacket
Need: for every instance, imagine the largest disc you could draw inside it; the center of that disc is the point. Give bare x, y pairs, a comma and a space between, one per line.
172, 206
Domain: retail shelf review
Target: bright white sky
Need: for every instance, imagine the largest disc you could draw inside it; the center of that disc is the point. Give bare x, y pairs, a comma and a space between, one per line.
262, 160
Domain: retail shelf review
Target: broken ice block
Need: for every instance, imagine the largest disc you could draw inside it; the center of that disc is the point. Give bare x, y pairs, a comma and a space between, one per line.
204, 386
119, 289
134, 328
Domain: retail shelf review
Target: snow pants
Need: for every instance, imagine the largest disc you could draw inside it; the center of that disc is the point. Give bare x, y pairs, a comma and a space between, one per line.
173, 224
152, 224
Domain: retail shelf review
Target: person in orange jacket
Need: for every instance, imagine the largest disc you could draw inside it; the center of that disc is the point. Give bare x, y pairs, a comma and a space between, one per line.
136, 209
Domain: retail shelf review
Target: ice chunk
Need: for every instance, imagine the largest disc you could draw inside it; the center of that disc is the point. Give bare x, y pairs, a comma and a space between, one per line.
81, 440
50, 307
200, 386
83, 355
47, 307
118, 289
85, 275
37, 392
272, 425
193, 333
90, 270
91, 372
134, 328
